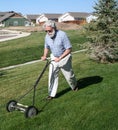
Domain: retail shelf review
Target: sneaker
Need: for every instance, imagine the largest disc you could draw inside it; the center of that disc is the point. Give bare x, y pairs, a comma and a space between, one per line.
75, 89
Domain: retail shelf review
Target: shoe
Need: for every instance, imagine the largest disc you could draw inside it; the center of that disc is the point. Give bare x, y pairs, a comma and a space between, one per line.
49, 98
75, 89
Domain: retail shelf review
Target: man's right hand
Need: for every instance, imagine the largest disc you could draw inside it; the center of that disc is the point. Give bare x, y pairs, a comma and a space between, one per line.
43, 58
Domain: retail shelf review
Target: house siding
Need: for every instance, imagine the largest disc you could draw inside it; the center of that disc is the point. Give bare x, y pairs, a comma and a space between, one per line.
15, 22
41, 19
73, 17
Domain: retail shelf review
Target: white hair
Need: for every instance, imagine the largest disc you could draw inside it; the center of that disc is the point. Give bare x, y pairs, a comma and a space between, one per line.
49, 23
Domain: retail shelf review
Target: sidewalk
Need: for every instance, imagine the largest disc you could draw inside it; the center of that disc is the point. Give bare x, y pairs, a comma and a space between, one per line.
6, 35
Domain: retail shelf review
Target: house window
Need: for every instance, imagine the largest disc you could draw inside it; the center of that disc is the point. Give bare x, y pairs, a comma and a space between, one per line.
15, 23
27, 23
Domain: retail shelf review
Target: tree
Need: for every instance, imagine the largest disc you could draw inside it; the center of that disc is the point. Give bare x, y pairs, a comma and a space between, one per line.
103, 33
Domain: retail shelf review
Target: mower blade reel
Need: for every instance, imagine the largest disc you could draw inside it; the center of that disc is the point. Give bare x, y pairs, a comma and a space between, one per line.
21, 107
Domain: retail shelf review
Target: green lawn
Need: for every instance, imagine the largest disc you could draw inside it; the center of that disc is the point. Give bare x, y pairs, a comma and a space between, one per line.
93, 107
21, 50
31, 48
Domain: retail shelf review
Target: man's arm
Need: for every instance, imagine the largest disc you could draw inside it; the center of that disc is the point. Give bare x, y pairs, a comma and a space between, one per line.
46, 50
66, 52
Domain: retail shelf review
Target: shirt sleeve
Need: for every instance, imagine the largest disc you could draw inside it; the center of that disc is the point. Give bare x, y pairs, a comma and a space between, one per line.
66, 41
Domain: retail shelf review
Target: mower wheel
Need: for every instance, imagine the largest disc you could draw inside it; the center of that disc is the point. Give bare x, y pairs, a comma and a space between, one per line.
10, 106
31, 111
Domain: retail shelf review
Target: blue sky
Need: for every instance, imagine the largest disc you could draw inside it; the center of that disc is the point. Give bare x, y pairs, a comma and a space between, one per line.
47, 6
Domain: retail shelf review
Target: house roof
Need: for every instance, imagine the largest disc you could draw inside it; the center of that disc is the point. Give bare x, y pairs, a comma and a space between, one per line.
79, 14
32, 16
2, 13
51, 16
7, 15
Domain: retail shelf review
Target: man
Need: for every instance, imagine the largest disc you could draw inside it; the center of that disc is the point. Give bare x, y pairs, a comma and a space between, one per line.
58, 43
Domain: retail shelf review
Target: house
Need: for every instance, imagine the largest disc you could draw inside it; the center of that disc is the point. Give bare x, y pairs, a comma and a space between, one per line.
44, 17
1, 15
91, 18
12, 19
32, 17
74, 17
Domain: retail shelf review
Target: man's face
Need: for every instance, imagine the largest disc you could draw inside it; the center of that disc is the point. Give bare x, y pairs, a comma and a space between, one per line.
50, 31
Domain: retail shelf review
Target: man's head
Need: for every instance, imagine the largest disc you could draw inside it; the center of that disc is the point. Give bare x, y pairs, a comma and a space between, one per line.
50, 27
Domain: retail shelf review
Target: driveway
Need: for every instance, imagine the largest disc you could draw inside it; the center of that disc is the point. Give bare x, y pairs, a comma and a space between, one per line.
6, 35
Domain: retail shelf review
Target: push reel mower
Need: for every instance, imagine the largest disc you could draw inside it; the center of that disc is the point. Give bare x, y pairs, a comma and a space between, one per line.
29, 111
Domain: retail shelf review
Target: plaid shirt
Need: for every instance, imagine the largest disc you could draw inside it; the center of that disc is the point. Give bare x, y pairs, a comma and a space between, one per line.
59, 44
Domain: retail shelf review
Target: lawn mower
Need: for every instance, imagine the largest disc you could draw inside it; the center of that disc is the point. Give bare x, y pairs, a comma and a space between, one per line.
29, 111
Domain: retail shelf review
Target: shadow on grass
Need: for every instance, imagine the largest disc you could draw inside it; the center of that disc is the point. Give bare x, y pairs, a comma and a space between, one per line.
2, 73
82, 83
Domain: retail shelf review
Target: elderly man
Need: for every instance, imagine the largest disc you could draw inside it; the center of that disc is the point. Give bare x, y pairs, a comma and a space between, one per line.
57, 42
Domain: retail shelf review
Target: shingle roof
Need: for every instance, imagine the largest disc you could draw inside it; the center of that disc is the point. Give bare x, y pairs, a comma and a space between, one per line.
50, 16
2, 13
79, 14
32, 16
7, 15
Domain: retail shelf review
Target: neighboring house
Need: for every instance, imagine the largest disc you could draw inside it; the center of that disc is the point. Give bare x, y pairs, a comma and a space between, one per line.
74, 17
32, 17
12, 19
91, 18
44, 17
1, 15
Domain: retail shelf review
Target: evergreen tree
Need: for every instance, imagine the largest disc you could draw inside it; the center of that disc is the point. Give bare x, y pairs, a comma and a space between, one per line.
104, 31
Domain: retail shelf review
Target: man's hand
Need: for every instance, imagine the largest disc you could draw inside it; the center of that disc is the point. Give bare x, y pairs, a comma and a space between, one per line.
57, 59
43, 58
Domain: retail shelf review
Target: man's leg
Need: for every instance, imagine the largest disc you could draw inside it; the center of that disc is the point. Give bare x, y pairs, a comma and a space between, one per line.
53, 79
68, 72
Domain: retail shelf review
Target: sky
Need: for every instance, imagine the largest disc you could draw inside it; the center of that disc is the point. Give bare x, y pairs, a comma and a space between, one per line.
47, 6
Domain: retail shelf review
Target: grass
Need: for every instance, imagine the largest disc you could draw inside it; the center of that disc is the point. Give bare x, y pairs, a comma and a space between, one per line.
93, 107
31, 48
21, 50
